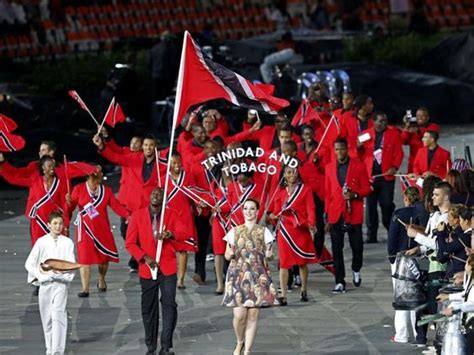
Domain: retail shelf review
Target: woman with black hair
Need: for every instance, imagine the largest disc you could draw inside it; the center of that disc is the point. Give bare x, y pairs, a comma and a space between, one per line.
293, 211
47, 194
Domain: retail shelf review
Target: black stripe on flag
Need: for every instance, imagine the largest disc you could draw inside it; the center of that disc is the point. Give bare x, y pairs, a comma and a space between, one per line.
7, 142
234, 84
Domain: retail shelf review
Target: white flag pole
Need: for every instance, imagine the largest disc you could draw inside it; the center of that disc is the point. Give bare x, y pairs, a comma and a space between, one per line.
175, 119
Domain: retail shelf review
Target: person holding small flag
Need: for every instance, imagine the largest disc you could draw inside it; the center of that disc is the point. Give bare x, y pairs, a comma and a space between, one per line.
95, 241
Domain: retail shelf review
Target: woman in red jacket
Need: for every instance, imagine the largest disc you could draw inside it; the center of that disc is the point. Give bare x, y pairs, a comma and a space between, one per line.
95, 241
47, 194
293, 209
179, 198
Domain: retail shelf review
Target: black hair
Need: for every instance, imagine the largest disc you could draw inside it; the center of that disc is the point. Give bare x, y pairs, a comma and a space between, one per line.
379, 113
50, 144
282, 174
433, 134
360, 101
149, 136
306, 126
292, 145
429, 184
465, 213
43, 160
446, 187
340, 140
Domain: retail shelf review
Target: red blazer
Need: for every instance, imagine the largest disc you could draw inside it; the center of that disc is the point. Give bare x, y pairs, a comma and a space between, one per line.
352, 127
392, 152
266, 135
413, 139
125, 188
440, 164
357, 181
312, 173
138, 191
140, 242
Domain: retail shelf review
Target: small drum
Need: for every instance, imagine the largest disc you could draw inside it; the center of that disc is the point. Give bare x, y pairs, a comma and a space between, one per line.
407, 268
442, 327
454, 341
409, 292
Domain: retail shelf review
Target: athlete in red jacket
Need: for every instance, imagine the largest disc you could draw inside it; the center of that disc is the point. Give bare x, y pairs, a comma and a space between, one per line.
143, 175
347, 184
141, 242
432, 159
383, 154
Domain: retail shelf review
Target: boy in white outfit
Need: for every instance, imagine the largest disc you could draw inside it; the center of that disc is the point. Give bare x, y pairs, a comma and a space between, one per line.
53, 286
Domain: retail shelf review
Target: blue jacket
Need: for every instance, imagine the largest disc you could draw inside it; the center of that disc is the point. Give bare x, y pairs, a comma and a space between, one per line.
397, 235
456, 248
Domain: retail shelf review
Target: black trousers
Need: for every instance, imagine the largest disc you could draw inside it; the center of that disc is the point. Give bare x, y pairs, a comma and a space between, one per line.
204, 230
355, 241
383, 195
431, 292
319, 237
151, 310
132, 263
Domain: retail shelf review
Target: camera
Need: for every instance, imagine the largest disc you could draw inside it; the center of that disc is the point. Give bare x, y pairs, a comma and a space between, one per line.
410, 118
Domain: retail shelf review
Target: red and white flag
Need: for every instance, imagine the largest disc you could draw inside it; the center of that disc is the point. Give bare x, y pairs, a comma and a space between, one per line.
10, 142
77, 98
114, 114
77, 168
304, 115
7, 124
200, 79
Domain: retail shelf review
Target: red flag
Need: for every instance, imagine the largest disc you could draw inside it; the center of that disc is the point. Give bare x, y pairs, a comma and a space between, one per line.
7, 124
268, 89
114, 114
304, 115
200, 79
119, 115
10, 142
76, 97
77, 168
326, 261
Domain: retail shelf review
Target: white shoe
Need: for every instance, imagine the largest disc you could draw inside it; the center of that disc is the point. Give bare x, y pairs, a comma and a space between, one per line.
356, 279
339, 288
210, 257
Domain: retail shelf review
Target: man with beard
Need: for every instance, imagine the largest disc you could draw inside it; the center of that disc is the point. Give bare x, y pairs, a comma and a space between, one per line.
143, 236
143, 175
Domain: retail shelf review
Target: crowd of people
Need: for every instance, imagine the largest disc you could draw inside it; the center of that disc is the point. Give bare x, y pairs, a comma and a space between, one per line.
292, 181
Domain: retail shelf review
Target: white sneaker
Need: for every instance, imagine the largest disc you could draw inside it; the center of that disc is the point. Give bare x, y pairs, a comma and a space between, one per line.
210, 257
339, 288
429, 350
356, 280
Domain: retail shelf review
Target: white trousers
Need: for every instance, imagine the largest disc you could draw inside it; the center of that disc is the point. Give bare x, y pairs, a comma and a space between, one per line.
277, 58
52, 299
404, 320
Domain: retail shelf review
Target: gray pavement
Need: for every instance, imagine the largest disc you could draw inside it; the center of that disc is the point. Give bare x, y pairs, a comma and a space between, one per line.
358, 322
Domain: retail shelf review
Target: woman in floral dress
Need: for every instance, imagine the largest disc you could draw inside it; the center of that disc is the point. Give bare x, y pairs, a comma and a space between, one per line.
248, 284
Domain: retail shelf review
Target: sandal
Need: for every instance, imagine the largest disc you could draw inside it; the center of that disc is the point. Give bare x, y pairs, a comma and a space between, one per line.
239, 347
102, 289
